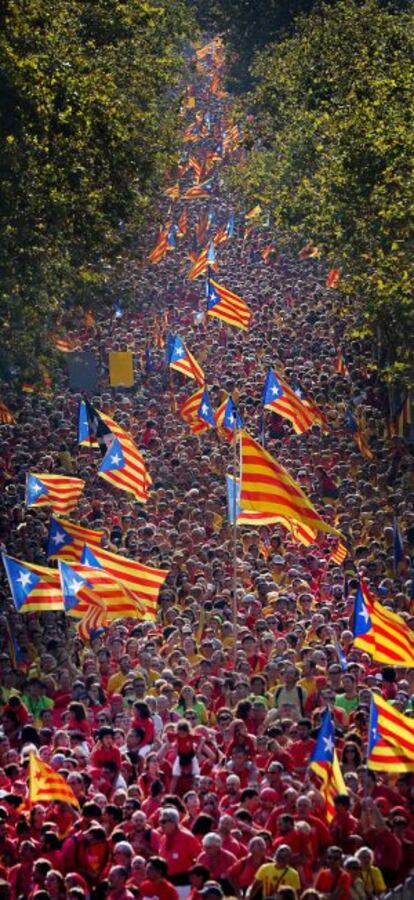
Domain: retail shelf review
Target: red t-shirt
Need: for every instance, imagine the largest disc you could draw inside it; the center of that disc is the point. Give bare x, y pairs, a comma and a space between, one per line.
157, 890
327, 881
179, 851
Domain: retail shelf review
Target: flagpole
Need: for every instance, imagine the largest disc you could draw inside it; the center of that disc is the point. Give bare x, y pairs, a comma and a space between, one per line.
371, 710
234, 541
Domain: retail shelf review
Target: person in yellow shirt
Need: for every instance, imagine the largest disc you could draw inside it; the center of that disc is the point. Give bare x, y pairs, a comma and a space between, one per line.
118, 679
271, 876
372, 876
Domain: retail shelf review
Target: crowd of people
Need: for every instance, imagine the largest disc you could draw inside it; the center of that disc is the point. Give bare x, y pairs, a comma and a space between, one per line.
187, 740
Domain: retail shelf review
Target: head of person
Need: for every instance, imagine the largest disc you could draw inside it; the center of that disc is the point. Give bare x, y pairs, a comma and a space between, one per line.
156, 868
169, 819
334, 858
212, 890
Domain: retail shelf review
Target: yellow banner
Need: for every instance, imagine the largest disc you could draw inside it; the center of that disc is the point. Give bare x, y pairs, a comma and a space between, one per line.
121, 368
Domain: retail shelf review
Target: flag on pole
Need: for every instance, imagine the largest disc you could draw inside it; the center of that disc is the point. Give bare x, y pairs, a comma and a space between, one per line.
227, 306
398, 546
46, 785
142, 582
183, 361
160, 248
227, 417
333, 278
390, 738
66, 539
205, 260
33, 588
301, 533
58, 491
324, 762
267, 487
6, 417
281, 399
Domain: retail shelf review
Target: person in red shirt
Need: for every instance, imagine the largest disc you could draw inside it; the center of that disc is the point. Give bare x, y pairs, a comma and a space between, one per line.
344, 827
156, 884
117, 881
301, 750
178, 847
241, 873
216, 860
334, 881
106, 750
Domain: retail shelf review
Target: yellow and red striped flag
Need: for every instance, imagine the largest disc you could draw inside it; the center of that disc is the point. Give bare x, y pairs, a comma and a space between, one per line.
33, 588
173, 191
381, 632
341, 367
309, 251
46, 785
160, 248
202, 263
324, 762
267, 487
81, 584
142, 582
61, 492
390, 739
333, 278
67, 539
124, 467
6, 417
338, 554
183, 361
189, 412
226, 305
66, 345
279, 397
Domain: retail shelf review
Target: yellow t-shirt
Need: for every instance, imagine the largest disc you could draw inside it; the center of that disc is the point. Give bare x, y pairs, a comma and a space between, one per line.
373, 880
271, 878
117, 681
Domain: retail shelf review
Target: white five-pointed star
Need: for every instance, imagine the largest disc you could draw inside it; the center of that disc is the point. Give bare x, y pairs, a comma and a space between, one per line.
58, 538
374, 733
116, 459
274, 390
204, 409
328, 745
36, 488
364, 614
74, 586
24, 579
179, 352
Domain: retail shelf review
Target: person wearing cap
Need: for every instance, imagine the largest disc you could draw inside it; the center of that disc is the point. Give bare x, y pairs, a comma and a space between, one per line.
273, 875
212, 891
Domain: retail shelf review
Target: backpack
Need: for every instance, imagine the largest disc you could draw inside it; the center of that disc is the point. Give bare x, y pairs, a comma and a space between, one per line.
301, 697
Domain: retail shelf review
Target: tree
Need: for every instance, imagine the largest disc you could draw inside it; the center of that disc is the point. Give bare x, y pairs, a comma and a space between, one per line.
332, 153
88, 124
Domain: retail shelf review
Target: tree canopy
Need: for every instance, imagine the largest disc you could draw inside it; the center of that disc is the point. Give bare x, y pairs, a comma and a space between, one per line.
88, 116
331, 155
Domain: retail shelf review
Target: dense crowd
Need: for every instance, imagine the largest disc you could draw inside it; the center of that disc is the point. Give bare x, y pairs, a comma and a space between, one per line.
187, 740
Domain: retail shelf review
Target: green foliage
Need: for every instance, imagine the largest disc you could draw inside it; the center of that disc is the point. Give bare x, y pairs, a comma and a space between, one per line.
332, 152
88, 124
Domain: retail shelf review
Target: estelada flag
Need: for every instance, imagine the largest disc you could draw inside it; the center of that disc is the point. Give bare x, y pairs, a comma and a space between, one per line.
390, 738
267, 487
33, 588
143, 582
46, 785
58, 491
67, 539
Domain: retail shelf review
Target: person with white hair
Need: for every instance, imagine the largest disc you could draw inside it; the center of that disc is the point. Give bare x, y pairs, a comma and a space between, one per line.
216, 860
371, 875
179, 848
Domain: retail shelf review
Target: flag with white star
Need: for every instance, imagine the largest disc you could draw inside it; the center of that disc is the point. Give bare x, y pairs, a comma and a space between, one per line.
82, 585
390, 738
381, 632
324, 762
61, 492
205, 411
279, 397
183, 361
33, 588
66, 539
124, 467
